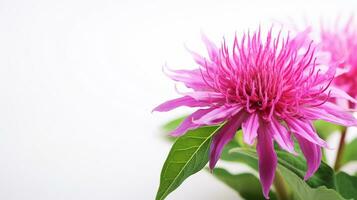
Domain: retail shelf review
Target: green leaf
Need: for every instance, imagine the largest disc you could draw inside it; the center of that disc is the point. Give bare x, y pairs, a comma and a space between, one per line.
171, 125
325, 129
301, 189
324, 176
346, 185
349, 153
245, 184
226, 156
237, 156
187, 156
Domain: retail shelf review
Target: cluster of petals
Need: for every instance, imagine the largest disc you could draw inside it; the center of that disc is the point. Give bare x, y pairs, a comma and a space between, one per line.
272, 87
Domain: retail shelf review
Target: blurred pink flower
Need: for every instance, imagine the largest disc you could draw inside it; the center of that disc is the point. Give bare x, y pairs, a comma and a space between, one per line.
272, 88
341, 42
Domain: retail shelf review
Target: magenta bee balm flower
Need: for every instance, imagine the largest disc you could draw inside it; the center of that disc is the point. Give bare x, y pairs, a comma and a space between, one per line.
341, 42
271, 88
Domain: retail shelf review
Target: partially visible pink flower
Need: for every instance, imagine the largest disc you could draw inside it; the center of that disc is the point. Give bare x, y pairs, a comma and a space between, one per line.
341, 42
272, 88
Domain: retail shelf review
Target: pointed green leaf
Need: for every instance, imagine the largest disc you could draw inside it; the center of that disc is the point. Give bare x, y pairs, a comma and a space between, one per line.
324, 176
297, 164
301, 189
346, 185
187, 156
245, 184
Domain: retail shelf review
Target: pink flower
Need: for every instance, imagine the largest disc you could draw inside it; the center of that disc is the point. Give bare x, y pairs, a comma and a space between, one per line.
341, 42
272, 88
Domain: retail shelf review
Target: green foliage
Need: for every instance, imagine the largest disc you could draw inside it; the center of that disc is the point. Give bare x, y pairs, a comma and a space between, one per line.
346, 185
300, 189
245, 184
226, 156
324, 176
171, 125
325, 129
296, 164
188, 155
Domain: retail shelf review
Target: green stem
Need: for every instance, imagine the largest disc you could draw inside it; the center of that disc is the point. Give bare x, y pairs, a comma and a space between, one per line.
341, 148
280, 187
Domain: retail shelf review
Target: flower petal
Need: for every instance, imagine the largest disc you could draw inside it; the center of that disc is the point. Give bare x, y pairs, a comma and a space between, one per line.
331, 113
250, 127
305, 130
312, 153
200, 60
282, 136
182, 101
211, 47
191, 78
187, 124
206, 96
224, 135
338, 93
267, 159
219, 113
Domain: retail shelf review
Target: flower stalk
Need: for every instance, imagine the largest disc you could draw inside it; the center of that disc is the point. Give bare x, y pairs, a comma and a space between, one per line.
341, 148
280, 187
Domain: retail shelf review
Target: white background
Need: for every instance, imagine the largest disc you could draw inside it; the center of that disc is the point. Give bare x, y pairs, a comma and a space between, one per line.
78, 81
